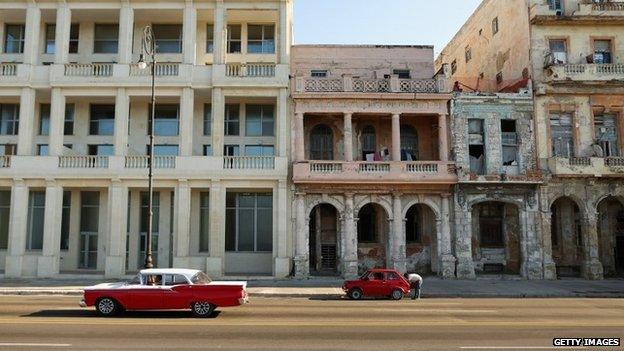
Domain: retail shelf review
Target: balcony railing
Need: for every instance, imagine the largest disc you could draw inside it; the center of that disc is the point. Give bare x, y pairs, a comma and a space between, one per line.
143, 162
614, 161
369, 85
165, 69
8, 69
593, 71
5, 161
249, 162
250, 70
580, 161
586, 166
373, 167
89, 70
358, 171
83, 161
418, 86
326, 167
606, 6
420, 167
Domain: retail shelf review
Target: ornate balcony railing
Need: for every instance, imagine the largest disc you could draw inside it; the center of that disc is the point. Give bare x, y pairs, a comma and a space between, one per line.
421, 167
373, 167
369, 85
606, 6
143, 161
8, 69
249, 162
419, 86
89, 70
580, 161
83, 161
5, 161
588, 71
164, 69
325, 167
323, 85
614, 161
250, 70
361, 85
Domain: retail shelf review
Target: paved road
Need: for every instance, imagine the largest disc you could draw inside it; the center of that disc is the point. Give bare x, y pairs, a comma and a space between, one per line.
55, 322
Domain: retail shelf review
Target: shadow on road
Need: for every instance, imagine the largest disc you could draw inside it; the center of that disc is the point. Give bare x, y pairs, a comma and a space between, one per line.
126, 314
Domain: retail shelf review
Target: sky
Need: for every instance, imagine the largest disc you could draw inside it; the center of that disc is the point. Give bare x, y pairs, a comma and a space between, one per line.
398, 22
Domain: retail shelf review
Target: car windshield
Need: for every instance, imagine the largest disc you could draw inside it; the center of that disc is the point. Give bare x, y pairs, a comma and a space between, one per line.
364, 275
135, 281
200, 278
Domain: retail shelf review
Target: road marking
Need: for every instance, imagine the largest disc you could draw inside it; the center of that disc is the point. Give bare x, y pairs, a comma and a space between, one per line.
30, 344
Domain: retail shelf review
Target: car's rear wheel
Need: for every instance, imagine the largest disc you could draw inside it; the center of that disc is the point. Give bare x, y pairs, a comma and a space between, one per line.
355, 294
397, 294
202, 309
107, 307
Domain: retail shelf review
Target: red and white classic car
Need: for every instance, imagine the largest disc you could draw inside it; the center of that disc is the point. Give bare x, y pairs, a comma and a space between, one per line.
165, 289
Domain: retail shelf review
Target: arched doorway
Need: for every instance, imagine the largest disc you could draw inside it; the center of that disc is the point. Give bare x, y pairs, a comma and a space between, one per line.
496, 233
421, 250
324, 258
321, 143
566, 237
372, 235
611, 236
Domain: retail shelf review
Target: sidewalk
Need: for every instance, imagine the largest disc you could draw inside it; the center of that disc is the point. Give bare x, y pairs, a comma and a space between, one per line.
331, 288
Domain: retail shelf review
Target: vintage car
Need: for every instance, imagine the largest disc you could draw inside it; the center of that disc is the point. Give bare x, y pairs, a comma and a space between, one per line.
165, 289
377, 283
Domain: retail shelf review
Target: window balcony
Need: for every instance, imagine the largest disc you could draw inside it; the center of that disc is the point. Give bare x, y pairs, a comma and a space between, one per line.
83, 161
349, 84
250, 70
8, 69
587, 72
586, 166
586, 11
89, 70
166, 69
142, 162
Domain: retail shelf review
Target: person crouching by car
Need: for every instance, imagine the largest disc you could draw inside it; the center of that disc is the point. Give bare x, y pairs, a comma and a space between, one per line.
415, 282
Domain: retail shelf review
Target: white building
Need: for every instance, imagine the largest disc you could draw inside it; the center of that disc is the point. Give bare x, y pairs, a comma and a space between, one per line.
73, 135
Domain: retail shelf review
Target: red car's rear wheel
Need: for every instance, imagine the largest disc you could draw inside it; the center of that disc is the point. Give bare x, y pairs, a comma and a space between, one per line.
202, 309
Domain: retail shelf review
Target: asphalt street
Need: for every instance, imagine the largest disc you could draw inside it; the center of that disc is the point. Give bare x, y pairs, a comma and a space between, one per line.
57, 323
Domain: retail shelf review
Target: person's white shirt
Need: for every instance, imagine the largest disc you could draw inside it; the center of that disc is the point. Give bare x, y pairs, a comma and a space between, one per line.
413, 278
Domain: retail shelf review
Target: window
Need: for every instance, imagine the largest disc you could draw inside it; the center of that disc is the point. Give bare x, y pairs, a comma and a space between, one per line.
453, 66
9, 119
207, 119
5, 218
166, 121
468, 54
495, 26
102, 120
36, 211
164, 150
554, 5
392, 276
105, 38
249, 222
50, 35
558, 48
261, 39
207, 150
561, 135
234, 38
259, 120
101, 150
491, 225
232, 119
14, 39
74, 33
605, 129
168, 38
499, 78
369, 143
204, 221
8, 149
68, 128
409, 143
602, 51
65, 215
174, 279
144, 224
259, 150
318, 73
412, 225
42, 150
209, 39
402, 73
367, 225
321, 143
231, 150
44, 119
476, 148
509, 139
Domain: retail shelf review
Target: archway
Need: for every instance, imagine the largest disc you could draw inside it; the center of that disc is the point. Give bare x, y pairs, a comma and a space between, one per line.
421, 250
496, 233
324, 248
566, 237
372, 235
321, 143
611, 236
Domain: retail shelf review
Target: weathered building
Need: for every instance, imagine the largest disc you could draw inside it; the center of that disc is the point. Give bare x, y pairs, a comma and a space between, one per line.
371, 167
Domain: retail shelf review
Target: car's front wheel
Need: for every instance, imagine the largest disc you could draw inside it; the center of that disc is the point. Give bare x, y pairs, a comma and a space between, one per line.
107, 307
355, 294
397, 294
202, 309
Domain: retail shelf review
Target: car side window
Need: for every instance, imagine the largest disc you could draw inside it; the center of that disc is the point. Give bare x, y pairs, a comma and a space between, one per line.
378, 276
152, 279
392, 276
175, 279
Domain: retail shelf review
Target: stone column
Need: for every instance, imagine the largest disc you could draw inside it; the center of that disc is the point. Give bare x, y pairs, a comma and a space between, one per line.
164, 229
57, 122
26, 122
548, 265
531, 267
396, 137
122, 110
349, 240
189, 36
302, 230
282, 123
218, 116
63, 26
284, 38
397, 243
49, 262
187, 108
183, 225
126, 33
591, 267
446, 259
216, 245
463, 237
348, 138
116, 239
282, 257
17, 229
299, 138
443, 138
31, 37
220, 25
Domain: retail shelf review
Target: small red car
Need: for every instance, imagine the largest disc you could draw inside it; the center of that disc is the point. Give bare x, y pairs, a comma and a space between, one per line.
377, 283
165, 289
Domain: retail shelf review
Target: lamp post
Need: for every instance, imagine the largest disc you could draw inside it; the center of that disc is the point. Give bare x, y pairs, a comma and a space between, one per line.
149, 50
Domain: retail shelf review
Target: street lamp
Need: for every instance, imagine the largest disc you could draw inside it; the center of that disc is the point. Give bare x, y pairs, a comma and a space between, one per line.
149, 50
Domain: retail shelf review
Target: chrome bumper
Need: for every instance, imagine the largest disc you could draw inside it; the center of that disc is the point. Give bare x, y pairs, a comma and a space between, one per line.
82, 303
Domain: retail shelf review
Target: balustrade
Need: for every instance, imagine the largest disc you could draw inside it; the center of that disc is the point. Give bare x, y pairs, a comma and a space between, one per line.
250, 70
163, 69
83, 161
325, 167
143, 162
420, 167
579, 161
373, 167
614, 161
5, 161
8, 69
89, 70
248, 162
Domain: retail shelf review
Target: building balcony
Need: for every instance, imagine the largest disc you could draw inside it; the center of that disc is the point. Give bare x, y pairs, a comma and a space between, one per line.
269, 75
350, 84
424, 172
586, 166
587, 72
592, 8
587, 11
